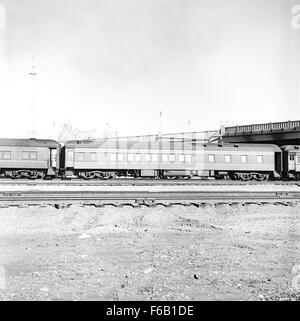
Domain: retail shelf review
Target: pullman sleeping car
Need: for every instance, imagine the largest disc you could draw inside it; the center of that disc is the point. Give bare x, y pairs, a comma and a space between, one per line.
170, 159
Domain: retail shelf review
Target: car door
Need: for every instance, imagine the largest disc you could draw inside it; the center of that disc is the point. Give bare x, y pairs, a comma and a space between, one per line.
292, 161
69, 158
53, 157
298, 162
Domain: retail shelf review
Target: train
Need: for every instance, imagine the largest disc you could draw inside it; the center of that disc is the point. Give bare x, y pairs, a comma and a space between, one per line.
161, 159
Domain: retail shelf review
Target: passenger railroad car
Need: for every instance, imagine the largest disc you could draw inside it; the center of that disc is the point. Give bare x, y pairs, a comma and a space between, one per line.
170, 159
31, 158
291, 161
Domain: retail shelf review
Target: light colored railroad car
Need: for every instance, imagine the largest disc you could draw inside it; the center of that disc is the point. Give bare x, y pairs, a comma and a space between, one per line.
291, 161
245, 161
171, 159
31, 158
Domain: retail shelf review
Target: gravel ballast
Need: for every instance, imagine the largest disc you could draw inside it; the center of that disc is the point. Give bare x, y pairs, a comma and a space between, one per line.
214, 252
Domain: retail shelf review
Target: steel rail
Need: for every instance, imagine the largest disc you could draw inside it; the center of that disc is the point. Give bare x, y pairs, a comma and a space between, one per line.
52, 197
139, 182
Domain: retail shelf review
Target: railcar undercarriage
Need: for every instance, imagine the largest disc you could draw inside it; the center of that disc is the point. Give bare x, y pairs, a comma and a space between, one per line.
165, 174
25, 173
251, 176
28, 173
98, 174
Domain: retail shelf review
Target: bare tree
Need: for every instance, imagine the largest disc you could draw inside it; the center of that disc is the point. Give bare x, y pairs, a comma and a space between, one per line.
69, 132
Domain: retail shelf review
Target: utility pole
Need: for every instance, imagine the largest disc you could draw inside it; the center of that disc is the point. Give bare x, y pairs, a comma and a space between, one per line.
189, 125
294, 6
32, 110
2, 45
159, 128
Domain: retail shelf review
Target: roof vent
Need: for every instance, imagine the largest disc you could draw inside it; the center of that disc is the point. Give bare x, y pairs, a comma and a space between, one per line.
296, 147
220, 145
235, 145
205, 145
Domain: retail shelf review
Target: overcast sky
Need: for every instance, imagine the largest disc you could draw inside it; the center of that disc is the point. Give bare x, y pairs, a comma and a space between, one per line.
122, 61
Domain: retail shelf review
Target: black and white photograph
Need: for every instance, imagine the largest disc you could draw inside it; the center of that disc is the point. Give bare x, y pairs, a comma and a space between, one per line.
150, 152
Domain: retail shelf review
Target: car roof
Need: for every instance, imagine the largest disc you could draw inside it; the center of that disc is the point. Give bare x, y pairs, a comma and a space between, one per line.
165, 145
31, 142
291, 148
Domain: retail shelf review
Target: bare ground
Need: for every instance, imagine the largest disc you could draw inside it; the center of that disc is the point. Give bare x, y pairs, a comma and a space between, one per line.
213, 252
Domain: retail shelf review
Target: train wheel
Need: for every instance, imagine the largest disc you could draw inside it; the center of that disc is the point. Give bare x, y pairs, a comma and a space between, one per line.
253, 176
49, 177
265, 177
262, 177
242, 177
34, 175
246, 177
15, 176
259, 177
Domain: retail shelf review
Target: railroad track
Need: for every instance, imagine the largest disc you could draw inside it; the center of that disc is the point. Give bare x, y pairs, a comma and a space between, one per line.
148, 198
139, 182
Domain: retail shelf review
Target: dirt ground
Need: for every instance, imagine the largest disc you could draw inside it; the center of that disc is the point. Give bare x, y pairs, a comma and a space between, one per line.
214, 252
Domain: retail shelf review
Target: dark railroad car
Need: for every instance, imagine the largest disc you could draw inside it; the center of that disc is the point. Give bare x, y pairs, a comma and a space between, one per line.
31, 158
291, 161
170, 159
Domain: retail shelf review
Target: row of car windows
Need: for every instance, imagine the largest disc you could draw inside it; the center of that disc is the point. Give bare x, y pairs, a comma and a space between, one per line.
133, 157
30, 155
79, 157
293, 158
6, 155
243, 159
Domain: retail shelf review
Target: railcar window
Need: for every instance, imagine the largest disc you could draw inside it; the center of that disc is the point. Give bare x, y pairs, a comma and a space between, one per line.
148, 157
6, 155
113, 157
138, 157
80, 157
181, 158
259, 159
120, 157
292, 157
172, 158
33, 155
154, 157
165, 158
130, 157
188, 158
244, 159
211, 158
25, 155
227, 158
93, 157
298, 159
70, 155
